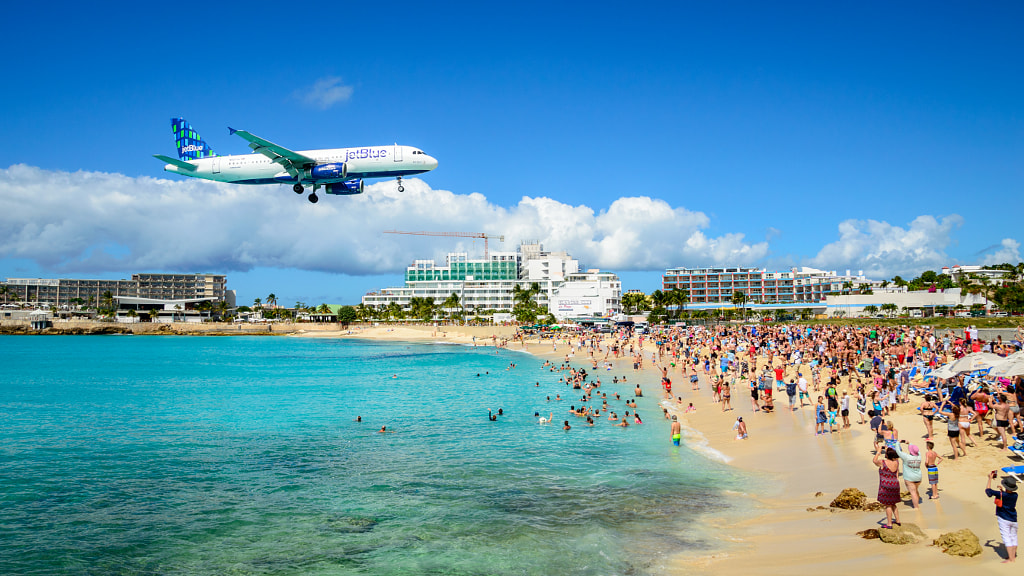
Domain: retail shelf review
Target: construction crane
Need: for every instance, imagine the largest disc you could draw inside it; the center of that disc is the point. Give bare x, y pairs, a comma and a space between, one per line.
455, 235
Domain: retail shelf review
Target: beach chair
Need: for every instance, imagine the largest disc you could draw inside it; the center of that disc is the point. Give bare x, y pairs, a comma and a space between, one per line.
1017, 450
1015, 471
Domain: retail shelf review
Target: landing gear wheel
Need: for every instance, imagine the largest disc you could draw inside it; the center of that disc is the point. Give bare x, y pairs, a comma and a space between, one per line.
400, 187
298, 189
313, 198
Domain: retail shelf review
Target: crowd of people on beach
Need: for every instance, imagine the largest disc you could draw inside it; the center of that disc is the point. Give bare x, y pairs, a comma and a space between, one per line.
836, 371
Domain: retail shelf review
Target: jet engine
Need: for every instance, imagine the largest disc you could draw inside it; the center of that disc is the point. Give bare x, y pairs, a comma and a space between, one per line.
332, 171
346, 188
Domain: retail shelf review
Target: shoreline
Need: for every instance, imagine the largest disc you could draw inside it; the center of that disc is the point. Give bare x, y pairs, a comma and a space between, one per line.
790, 466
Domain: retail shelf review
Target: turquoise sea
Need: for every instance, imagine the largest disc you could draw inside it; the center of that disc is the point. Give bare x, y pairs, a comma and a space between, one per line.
241, 455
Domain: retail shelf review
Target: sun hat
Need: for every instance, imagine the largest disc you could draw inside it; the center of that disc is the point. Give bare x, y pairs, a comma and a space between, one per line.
913, 450
1010, 483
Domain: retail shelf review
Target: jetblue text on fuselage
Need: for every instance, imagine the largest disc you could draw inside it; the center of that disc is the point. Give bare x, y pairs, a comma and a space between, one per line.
366, 153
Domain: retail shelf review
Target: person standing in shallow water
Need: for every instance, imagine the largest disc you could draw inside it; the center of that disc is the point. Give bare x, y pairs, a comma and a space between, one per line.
677, 430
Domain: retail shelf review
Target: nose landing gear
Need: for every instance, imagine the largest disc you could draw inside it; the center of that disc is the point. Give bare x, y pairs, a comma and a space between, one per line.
298, 189
400, 187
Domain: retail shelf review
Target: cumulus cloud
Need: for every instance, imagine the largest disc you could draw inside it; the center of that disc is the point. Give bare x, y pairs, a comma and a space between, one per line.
325, 92
1008, 252
883, 250
91, 222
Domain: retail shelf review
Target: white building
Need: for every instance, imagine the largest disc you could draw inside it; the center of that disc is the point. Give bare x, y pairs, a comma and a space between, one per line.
924, 302
480, 284
590, 294
956, 272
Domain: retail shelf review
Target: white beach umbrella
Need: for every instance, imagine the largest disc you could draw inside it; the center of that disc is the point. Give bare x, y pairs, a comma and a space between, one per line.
975, 361
1012, 365
943, 372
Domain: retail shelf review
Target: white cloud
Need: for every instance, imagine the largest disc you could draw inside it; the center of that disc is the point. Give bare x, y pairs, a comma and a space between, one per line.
325, 92
1009, 252
91, 222
883, 250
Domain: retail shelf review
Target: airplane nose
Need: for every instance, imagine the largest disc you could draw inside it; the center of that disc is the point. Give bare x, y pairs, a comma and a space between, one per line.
431, 162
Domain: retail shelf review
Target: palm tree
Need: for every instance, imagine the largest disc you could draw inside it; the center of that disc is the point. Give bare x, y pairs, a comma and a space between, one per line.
659, 299
847, 286
679, 298
739, 298
257, 303
871, 309
177, 309
272, 300
5, 290
153, 313
634, 302
451, 303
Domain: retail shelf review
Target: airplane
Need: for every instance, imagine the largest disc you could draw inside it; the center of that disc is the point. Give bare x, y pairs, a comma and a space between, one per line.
340, 171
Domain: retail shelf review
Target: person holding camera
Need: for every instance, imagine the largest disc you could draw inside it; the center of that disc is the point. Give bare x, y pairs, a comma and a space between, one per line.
1006, 512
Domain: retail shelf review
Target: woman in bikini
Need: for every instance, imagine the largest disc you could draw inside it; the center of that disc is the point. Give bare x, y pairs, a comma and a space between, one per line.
966, 416
928, 409
953, 431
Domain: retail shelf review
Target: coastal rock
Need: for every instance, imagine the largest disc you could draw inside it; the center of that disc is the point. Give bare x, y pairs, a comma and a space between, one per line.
850, 499
819, 494
873, 506
869, 534
959, 543
901, 535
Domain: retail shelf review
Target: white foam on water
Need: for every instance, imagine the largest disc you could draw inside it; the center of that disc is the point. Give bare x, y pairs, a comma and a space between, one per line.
695, 440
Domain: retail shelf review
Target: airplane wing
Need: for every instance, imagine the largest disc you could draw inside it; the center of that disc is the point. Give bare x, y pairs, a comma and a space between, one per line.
291, 161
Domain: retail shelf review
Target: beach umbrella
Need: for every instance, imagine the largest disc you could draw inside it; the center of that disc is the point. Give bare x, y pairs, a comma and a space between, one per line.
1012, 365
942, 372
975, 361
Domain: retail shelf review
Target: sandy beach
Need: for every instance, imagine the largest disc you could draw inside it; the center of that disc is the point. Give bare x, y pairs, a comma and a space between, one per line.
793, 472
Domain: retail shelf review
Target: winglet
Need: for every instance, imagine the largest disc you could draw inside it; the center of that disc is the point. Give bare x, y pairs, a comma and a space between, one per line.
231, 131
175, 162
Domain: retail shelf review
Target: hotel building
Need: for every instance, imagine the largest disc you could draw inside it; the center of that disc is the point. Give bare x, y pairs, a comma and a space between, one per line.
65, 292
714, 286
484, 284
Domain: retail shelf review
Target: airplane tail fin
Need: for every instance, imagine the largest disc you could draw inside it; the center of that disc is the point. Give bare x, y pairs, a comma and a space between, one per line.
191, 146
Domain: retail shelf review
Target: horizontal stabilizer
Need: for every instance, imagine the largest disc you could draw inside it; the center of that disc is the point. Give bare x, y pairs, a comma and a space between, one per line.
179, 163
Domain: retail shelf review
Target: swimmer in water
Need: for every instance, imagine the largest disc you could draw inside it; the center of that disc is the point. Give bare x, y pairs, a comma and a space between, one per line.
544, 420
566, 426
491, 417
383, 430
359, 418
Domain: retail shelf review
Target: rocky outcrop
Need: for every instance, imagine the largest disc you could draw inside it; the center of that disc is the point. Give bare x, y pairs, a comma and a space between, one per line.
869, 534
901, 535
959, 543
850, 499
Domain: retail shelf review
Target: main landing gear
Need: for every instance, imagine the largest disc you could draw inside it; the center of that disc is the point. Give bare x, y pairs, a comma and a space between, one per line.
298, 189
400, 187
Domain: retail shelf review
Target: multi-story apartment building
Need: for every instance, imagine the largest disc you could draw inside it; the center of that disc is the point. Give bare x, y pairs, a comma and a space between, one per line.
68, 292
716, 285
480, 284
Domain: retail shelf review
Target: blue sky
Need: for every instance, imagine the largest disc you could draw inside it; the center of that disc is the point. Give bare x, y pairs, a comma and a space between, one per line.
865, 136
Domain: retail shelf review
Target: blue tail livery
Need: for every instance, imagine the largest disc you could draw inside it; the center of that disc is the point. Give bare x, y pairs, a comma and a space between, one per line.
191, 146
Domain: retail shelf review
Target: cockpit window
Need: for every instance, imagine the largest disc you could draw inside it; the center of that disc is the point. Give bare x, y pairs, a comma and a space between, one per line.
417, 152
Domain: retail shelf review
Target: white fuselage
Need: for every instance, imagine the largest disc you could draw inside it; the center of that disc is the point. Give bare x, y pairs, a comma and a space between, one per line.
365, 162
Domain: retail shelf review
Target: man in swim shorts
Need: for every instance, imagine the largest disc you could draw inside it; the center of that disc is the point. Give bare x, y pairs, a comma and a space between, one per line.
676, 430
